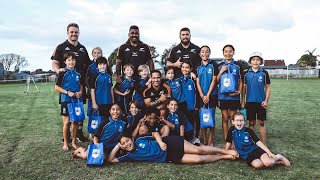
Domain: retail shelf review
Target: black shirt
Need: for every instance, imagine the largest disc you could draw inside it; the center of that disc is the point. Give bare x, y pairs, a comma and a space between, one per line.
135, 55
155, 94
191, 53
82, 57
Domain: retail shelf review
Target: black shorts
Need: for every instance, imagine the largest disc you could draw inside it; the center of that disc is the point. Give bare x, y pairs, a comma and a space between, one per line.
182, 106
175, 148
213, 101
255, 111
229, 104
64, 109
255, 154
104, 109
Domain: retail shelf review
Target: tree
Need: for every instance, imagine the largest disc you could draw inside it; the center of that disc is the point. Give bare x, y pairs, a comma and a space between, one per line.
112, 58
154, 53
244, 64
308, 59
165, 54
16, 60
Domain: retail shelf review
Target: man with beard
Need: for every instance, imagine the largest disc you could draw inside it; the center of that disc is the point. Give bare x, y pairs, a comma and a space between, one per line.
182, 52
133, 52
82, 61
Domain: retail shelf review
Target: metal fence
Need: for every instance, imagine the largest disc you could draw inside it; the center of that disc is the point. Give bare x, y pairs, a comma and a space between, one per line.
293, 73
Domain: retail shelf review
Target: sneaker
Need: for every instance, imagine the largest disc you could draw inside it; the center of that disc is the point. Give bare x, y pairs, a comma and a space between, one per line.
80, 137
195, 141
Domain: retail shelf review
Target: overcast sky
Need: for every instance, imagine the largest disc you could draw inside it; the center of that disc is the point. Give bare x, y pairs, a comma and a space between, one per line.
280, 29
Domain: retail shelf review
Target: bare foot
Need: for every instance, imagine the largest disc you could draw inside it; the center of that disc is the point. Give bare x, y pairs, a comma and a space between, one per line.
74, 146
233, 153
284, 161
65, 147
229, 157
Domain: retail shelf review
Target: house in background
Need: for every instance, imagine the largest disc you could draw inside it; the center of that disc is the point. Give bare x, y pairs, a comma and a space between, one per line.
274, 64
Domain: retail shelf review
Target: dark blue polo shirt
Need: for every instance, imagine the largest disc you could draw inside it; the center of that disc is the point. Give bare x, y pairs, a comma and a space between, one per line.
110, 131
139, 87
70, 80
176, 89
189, 90
146, 149
102, 83
244, 140
178, 119
205, 74
236, 70
255, 82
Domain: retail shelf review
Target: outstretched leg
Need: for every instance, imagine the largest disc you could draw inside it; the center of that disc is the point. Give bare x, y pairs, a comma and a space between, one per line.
80, 153
206, 150
282, 160
198, 159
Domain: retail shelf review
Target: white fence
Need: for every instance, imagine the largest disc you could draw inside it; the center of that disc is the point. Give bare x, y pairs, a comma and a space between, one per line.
293, 73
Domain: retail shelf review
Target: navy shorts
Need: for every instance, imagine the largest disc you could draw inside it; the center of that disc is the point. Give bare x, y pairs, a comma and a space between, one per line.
229, 105
175, 148
213, 101
64, 109
255, 154
255, 111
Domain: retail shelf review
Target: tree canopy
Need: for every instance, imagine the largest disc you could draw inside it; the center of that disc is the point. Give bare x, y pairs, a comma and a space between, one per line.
308, 59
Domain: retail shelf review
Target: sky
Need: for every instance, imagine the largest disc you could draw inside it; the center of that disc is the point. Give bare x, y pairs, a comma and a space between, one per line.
279, 29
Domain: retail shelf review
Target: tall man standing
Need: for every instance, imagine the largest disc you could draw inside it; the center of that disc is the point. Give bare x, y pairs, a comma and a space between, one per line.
82, 61
133, 52
184, 51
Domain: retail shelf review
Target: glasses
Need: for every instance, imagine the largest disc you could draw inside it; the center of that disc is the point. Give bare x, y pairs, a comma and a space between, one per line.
239, 120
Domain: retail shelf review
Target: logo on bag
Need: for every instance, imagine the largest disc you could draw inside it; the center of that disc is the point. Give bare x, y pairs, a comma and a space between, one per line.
206, 117
94, 124
95, 153
226, 82
260, 79
77, 111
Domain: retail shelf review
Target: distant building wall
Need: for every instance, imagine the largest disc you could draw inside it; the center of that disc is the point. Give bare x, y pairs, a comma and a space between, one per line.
293, 73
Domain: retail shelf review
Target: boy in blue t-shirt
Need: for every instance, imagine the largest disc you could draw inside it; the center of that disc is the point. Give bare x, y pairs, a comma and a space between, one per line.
123, 91
249, 147
207, 87
101, 88
141, 83
69, 84
256, 93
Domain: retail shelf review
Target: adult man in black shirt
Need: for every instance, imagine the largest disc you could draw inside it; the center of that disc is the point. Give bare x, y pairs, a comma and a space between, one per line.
133, 52
184, 51
82, 60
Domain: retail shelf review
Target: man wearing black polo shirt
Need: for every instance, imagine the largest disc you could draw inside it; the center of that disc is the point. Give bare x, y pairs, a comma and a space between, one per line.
82, 60
157, 94
184, 51
133, 52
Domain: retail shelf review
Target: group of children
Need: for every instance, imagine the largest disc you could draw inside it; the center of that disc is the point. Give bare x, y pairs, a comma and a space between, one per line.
126, 115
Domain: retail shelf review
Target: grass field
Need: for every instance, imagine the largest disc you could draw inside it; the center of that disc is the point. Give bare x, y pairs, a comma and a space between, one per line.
31, 131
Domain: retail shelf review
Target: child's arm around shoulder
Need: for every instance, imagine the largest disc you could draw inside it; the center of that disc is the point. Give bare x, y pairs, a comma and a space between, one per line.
158, 138
112, 156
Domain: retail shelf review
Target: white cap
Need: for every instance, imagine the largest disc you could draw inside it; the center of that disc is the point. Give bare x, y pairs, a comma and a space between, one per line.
256, 53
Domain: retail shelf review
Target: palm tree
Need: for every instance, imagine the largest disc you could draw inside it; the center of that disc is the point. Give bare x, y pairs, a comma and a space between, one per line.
308, 59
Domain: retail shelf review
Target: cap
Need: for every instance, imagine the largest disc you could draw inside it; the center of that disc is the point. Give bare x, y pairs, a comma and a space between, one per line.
256, 54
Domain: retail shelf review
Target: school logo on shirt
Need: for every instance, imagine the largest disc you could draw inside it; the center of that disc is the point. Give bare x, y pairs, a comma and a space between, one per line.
142, 145
120, 128
234, 71
193, 50
77, 78
141, 49
176, 121
95, 153
177, 84
134, 53
127, 49
260, 79
246, 139
209, 71
189, 87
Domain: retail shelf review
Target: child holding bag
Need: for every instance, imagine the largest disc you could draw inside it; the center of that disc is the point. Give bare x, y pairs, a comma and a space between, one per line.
229, 103
207, 88
69, 85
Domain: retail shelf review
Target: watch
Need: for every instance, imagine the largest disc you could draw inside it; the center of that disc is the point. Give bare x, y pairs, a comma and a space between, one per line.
66, 92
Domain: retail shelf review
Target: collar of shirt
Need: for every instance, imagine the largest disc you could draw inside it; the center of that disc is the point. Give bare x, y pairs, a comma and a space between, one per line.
69, 70
69, 44
139, 42
101, 73
225, 62
259, 69
111, 120
204, 64
186, 77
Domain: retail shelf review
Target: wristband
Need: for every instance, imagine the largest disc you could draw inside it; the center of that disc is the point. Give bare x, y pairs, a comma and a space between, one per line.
67, 92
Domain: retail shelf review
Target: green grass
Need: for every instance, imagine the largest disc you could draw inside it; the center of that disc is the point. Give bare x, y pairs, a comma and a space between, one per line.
31, 131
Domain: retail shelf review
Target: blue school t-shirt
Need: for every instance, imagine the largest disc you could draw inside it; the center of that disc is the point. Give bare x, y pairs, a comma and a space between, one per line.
110, 131
236, 70
139, 87
189, 91
176, 89
255, 84
205, 74
178, 119
102, 83
146, 149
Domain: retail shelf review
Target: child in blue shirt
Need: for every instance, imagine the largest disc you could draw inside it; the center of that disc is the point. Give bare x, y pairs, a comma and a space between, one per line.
111, 129
175, 86
249, 147
69, 84
141, 83
256, 93
190, 92
133, 116
229, 103
207, 87
124, 90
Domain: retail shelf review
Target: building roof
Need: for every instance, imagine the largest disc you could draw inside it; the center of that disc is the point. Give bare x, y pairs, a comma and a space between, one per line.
276, 62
